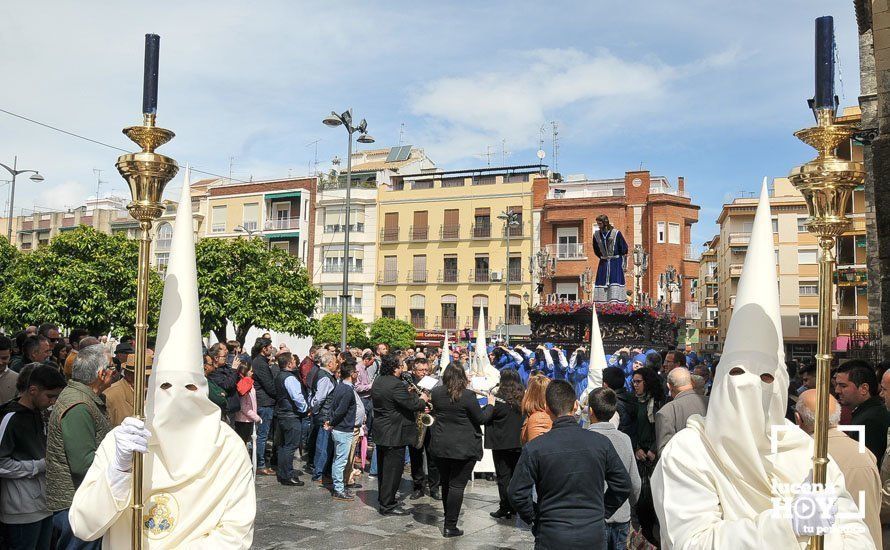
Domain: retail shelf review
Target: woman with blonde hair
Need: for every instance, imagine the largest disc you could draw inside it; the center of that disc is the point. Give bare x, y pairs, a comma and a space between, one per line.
534, 407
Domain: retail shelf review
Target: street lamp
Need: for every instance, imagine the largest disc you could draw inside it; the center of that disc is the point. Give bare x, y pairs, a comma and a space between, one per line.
586, 280
345, 119
670, 281
541, 266
641, 266
511, 219
36, 178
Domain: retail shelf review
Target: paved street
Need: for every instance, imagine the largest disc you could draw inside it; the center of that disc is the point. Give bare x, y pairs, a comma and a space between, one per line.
307, 517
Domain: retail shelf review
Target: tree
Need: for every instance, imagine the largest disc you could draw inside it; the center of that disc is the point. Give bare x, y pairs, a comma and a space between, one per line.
397, 334
244, 282
330, 329
8, 256
83, 279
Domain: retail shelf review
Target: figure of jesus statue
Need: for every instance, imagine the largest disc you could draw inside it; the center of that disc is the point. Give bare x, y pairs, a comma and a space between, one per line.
611, 249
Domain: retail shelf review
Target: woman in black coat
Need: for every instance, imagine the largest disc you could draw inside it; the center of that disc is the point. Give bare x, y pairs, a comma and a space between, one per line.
502, 436
456, 441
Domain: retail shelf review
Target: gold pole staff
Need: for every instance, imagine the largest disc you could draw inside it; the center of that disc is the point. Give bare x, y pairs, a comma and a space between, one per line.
826, 183
147, 173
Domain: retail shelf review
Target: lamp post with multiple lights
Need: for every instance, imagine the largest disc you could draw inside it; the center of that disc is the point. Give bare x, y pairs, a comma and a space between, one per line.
345, 120
511, 220
36, 178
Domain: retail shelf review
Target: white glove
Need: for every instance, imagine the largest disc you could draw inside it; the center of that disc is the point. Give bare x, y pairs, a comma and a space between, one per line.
813, 512
130, 437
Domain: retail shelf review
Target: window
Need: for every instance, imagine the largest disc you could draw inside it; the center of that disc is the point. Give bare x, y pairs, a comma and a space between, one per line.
390, 269
250, 219
388, 306
449, 269
846, 250
479, 301
481, 270
567, 291
809, 288
515, 269
449, 312
165, 236
482, 223
161, 260
801, 224
775, 225
418, 310
218, 220
567, 243
516, 230
809, 256
674, 233
514, 310
280, 245
418, 274
660, 233
451, 227
809, 319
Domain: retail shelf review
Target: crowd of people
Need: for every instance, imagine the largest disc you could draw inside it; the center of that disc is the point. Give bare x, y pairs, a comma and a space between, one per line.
345, 415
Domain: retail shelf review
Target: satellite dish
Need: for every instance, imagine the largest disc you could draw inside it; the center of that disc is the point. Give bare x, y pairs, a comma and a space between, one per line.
541, 154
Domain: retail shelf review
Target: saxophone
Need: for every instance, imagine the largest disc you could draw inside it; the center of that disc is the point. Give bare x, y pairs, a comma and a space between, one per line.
423, 420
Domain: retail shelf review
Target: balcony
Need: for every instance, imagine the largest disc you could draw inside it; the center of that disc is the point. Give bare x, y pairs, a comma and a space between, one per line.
218, 228
513, 230
354, 228
449, 232
710, 323
484, 180
735, 270
584, 193
479, 275
515, 274
389, 235
421, 184
852, 324
338, 268
417, 276
25, 246
689, 253
448, 275
741, 238
661, 190
351, 309
388, 277
277, 225
482, 230
567, 251
417, 320
692, 310
419, 233
250, 226
446, 323
163, 244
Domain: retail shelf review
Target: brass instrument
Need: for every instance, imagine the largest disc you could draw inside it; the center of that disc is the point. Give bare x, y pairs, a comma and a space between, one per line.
424, 420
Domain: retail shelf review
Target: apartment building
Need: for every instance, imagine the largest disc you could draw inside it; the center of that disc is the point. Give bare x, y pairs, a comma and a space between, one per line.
279, 211
706, 294
443, 250
648, 210
369, 170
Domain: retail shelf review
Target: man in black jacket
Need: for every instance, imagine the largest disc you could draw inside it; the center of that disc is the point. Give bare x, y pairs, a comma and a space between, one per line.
613, 378
264, 381
428, 481
568, 467
857, 387
394, 428
290, 409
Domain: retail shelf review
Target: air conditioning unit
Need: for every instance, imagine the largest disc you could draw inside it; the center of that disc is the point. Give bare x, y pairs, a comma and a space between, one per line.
495, 275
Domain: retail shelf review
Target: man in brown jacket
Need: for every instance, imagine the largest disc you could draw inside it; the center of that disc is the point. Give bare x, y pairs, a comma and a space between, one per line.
119, 397
859, 467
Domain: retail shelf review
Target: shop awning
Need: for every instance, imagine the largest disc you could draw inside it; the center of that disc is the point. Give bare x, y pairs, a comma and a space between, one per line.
283, 195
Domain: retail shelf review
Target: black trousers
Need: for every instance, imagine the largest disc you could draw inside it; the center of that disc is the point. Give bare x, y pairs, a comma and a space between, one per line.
390, 464
431, 478
504, 464
309, 447
455, 474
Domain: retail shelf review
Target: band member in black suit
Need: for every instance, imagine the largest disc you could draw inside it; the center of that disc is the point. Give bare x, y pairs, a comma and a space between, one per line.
456, 439
502, 436
429, 480
394, 428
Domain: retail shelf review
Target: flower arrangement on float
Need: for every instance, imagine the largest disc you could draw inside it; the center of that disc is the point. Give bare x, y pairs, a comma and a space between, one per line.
602, 308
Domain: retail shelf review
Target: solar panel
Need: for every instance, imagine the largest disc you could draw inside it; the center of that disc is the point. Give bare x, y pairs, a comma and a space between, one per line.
393, 154
404, 153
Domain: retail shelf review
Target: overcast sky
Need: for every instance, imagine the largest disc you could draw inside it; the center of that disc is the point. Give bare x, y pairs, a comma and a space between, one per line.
712, 91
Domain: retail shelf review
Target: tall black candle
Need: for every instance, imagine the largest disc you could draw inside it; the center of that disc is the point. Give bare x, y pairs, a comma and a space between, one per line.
150, 78
824, 62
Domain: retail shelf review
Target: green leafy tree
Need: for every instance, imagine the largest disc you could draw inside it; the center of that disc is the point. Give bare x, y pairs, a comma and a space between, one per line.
396, 333
330, 329
8, 256
83, 278
245, 282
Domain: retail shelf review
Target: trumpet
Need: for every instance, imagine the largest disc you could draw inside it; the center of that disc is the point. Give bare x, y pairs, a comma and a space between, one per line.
484, 394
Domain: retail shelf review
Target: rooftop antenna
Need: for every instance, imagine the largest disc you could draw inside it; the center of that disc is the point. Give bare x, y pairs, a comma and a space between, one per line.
504, 152
99, 183
231, 165
401, 133
555, 128
488, 154
314, 169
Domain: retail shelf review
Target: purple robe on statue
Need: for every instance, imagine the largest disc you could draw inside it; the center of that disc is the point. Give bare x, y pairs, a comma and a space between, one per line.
611, 248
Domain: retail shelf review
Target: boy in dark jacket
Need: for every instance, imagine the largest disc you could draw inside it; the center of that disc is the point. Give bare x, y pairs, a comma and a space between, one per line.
23, 510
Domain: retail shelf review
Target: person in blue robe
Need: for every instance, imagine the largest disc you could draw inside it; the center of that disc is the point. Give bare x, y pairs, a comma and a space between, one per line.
611, 249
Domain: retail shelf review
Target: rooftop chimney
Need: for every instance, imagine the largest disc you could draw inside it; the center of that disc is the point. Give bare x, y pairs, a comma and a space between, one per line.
681, 184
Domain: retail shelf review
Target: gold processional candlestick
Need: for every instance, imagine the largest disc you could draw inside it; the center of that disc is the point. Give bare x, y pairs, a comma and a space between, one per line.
826, 183
147, 173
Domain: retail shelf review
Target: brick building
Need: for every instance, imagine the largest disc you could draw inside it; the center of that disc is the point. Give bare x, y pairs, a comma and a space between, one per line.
647, 209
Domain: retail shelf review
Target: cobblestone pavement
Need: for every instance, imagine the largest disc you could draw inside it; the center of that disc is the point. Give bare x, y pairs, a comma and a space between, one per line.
308, 518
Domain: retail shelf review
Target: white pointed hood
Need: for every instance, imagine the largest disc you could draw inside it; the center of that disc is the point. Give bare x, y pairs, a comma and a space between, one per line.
184, 422
445, 359
597, 353
744, 407
483, 366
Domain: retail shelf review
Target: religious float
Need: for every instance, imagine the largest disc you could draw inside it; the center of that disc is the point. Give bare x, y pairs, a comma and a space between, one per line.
567, 324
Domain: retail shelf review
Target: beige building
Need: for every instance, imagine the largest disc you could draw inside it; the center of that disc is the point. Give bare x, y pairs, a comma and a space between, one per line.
442, 256
369, 170
706, 293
